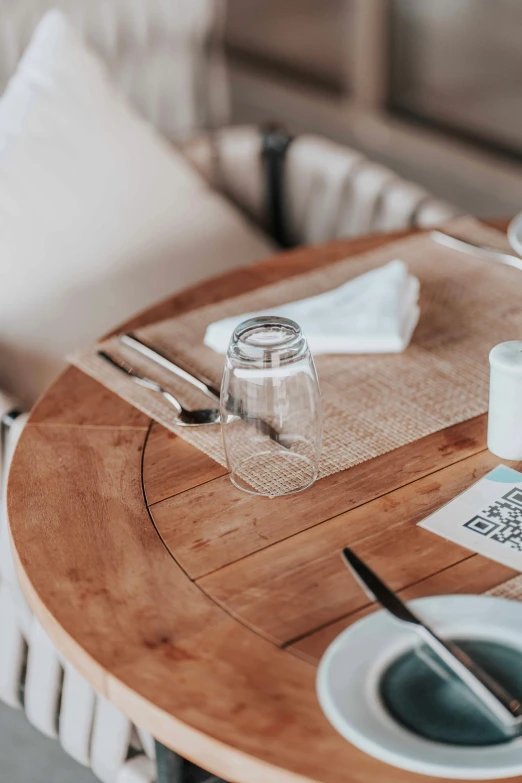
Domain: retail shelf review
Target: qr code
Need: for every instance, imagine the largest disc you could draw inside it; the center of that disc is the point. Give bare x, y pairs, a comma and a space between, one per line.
501, 521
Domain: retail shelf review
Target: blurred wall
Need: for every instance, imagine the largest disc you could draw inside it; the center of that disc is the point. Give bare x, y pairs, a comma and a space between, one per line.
298, 38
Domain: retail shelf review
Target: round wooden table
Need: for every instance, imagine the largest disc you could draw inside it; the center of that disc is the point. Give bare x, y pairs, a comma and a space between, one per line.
200, 611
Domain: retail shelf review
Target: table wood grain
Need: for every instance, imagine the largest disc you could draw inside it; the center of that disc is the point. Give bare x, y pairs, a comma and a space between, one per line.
199, 611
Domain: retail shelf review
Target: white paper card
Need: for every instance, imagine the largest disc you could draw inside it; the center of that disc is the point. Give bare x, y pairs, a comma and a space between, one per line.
486, 518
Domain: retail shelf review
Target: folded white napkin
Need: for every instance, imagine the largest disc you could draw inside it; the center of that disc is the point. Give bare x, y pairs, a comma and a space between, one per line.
374, 313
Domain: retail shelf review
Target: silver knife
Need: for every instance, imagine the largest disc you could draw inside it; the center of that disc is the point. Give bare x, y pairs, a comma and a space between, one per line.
494, 697
454, 243
203, 384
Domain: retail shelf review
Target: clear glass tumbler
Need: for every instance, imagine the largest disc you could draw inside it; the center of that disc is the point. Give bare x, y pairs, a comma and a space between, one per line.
271, 408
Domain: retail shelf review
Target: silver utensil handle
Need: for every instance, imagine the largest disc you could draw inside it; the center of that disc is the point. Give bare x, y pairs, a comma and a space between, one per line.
142, 380
454, 243
499, 702
173, 401
167, 364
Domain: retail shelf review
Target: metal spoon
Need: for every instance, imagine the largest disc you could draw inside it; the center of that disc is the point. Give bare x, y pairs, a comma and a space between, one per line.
184, 417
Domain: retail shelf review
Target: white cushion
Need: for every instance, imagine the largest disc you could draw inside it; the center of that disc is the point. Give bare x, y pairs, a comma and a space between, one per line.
160, 53
99, 216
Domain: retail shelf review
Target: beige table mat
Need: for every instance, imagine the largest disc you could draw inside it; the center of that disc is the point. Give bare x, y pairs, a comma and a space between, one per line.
373, 403
511, 589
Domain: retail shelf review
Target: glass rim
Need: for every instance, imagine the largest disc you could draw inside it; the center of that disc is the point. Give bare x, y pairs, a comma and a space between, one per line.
290, 333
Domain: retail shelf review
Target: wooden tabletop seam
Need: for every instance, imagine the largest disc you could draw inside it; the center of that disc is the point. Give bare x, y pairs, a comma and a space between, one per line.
371, 604
68, 425
183, 491
326, 519
151, 518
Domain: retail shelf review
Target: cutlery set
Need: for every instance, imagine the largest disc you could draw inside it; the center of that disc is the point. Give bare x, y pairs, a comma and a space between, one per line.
184, 417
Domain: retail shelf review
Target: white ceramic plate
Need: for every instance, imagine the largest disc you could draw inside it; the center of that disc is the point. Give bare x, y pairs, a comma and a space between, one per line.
514, 233
350, 670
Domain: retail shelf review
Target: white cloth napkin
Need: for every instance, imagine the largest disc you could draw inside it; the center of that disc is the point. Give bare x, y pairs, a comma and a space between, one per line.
376, 312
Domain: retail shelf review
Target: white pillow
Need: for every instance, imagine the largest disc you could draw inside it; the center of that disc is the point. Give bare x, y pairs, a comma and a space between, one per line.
99, 216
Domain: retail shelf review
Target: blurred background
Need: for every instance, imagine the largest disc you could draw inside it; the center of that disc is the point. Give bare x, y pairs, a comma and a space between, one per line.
431, 89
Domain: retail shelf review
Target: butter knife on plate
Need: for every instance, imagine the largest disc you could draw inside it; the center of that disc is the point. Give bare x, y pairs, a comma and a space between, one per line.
203, 384
500, 704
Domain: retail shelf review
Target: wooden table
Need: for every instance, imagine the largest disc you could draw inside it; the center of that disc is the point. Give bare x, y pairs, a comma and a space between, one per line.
201, 612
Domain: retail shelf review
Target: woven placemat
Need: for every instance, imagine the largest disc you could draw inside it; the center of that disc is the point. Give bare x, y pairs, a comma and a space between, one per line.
511, 589
372, 403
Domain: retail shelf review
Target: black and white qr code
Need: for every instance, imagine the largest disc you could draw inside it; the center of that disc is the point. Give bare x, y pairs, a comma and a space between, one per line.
501, 521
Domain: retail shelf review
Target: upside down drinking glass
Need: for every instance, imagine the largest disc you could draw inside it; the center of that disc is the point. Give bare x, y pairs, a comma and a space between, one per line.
271, 408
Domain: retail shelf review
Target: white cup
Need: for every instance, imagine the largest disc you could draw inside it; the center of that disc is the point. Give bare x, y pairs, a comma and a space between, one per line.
505, 400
